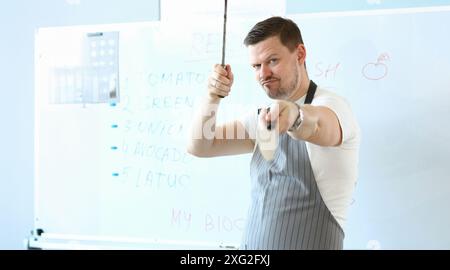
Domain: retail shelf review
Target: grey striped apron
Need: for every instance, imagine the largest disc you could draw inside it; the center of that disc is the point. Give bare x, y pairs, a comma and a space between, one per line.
287, 210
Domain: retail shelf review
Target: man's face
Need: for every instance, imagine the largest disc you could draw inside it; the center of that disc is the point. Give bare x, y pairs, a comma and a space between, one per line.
276, 68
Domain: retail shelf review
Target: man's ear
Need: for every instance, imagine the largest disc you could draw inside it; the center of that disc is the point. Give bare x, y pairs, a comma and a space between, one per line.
301, 54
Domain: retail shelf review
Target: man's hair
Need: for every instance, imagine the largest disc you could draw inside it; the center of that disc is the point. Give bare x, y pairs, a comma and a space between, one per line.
285, 29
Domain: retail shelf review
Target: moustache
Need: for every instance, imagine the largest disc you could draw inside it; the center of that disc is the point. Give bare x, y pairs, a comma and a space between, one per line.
267, 80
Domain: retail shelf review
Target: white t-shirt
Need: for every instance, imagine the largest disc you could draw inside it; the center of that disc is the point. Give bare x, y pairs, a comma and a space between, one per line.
335, 168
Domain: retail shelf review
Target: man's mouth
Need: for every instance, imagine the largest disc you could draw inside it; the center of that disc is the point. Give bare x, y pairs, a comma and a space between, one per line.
268, 81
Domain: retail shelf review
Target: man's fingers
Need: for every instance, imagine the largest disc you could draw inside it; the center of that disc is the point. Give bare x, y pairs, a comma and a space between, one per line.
230, 73
219, 85
221, 78
275, 116
264, 118
220, 70
273, 112
262, 114
218, 88
220, 81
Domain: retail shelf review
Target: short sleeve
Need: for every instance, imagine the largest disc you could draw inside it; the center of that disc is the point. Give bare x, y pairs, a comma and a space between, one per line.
342, 109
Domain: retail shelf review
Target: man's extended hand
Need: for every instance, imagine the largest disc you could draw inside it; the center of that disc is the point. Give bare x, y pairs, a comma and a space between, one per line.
281, 115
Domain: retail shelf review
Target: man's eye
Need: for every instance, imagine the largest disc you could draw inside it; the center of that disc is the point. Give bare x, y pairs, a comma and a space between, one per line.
256, 66
273, 61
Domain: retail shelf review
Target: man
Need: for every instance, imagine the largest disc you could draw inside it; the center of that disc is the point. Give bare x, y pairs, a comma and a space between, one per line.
300, 197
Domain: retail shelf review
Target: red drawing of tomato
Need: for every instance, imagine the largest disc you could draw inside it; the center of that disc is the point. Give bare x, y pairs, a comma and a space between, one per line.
375, 71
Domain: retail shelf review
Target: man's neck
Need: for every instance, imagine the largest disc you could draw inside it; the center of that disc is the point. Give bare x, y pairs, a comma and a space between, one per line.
302, 90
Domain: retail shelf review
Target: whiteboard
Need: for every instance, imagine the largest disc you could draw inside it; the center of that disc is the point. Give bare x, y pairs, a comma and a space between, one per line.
393, 67
115, 168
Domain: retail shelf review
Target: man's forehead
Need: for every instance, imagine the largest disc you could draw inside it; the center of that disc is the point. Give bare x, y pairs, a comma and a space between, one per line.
273, 41
266, 48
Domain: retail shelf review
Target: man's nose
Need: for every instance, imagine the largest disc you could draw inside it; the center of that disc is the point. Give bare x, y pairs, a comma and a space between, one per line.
265, 72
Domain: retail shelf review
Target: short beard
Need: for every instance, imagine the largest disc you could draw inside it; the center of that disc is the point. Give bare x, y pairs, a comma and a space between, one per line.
285, 93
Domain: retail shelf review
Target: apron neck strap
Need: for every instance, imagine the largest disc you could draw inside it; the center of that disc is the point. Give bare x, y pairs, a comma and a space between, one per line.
311, 91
